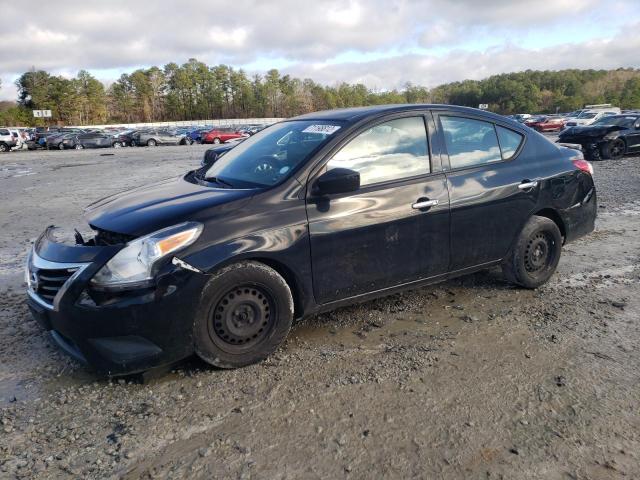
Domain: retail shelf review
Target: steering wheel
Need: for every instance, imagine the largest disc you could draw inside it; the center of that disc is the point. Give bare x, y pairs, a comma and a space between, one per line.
266, 165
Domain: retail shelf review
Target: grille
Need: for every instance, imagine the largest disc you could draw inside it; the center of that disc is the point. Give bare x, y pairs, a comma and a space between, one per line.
49, 282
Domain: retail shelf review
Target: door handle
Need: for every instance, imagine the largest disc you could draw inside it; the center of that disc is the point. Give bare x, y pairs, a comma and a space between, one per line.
424, 204
526, 185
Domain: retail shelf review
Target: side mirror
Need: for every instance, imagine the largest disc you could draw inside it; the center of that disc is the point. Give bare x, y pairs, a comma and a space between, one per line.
337, 180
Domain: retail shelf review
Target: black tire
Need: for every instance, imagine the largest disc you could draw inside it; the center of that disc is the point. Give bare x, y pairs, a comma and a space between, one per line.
151, 143
4, 147
245, 313
79, 146
217, 141
61, 146
117, 145
535, 256
613, 150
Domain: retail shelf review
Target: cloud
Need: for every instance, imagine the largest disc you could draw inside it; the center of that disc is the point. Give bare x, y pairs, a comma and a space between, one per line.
316, 38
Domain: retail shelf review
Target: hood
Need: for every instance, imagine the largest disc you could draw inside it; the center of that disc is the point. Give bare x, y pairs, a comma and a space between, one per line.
589, 131
152, 207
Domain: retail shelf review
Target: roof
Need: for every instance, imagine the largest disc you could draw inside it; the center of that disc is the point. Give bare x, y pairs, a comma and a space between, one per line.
358, 113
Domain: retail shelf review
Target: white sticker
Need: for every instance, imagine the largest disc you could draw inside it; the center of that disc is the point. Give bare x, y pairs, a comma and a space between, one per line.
326, 129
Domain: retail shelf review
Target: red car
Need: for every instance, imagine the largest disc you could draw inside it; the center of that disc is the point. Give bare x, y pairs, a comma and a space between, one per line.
545, 124
220, 135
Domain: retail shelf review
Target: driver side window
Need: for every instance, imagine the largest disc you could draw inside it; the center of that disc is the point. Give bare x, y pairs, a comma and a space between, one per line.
389, 151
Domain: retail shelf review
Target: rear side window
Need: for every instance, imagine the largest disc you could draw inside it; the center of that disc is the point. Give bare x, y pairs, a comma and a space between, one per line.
389, 151
4, 132
509, 142
470, 142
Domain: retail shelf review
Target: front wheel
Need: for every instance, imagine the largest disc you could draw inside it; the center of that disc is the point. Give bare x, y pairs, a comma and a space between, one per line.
61, 146
79, 146
117, 145
151, 143
245, 313
613, 150
536, 254
4, 147
216, 141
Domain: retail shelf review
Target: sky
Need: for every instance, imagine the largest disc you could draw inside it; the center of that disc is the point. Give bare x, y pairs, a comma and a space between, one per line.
383, 44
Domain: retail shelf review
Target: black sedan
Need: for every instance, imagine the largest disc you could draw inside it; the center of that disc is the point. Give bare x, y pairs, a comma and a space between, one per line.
312, 213
607, 138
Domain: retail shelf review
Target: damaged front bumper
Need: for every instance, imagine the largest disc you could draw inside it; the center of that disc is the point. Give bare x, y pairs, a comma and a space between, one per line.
117, 332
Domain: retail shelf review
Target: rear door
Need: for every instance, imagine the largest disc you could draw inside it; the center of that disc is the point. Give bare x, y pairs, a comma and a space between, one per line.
492, 190
395, 228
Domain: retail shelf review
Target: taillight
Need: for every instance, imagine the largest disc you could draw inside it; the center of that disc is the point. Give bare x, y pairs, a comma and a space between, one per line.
583, 165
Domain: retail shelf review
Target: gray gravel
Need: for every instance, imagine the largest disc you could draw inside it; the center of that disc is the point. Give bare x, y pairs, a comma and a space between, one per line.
467, 379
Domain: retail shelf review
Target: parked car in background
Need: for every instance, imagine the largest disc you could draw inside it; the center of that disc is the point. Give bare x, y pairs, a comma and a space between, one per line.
545, 123
221, 135
610, 137
7, 140
153, 137
89, 140
313, 213
587, 117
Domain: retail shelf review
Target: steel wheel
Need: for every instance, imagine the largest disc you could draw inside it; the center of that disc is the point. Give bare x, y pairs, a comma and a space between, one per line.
537, 253
242, 318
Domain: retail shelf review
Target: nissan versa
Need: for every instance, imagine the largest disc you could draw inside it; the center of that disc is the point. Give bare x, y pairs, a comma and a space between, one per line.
312, 213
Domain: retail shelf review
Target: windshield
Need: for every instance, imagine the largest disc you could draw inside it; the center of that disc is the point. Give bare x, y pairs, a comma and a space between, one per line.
272, 154
587, 115
620, 121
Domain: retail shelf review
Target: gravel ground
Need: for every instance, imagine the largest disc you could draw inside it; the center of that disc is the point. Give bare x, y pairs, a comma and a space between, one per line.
467, 379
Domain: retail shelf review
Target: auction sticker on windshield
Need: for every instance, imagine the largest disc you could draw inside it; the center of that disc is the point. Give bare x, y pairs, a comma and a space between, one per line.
326, 129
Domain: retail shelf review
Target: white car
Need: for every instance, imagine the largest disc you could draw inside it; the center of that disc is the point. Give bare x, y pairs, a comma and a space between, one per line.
7, 140
588, 117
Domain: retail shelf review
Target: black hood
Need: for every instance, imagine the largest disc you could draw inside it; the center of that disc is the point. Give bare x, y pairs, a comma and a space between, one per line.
588, 131
145, 209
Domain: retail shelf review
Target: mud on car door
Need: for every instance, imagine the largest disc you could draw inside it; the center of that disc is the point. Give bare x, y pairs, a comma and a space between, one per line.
394, 228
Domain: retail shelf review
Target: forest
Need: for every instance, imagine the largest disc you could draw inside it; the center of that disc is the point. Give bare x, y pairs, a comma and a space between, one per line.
196, 91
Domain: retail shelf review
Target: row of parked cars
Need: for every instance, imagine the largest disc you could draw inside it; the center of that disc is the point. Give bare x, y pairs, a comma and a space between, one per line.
602, 132
80, 138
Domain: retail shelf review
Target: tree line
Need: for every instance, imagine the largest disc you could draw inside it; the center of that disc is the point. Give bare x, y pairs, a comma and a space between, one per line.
196, 91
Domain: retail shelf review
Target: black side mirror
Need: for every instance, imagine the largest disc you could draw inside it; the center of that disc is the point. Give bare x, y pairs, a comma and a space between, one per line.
337, 180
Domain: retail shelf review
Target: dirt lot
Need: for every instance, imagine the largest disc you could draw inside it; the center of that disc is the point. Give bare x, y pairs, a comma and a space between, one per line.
467, 379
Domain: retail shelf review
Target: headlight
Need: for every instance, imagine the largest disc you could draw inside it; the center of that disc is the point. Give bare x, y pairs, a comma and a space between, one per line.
133, 266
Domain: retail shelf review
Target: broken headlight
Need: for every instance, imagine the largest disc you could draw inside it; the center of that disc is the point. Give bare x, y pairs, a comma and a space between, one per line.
133, 266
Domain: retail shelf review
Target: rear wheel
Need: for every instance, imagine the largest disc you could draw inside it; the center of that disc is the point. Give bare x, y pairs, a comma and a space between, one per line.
613, 150
79, 146
151, 143
535, 255
245, 313
117, 144
61, 146
4, 147
216, 141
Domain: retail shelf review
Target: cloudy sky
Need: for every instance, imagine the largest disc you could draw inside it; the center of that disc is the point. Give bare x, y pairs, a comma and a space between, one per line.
383, 44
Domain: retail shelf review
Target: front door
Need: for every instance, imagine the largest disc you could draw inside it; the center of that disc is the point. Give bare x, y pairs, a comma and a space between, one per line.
394, 229
492, 188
